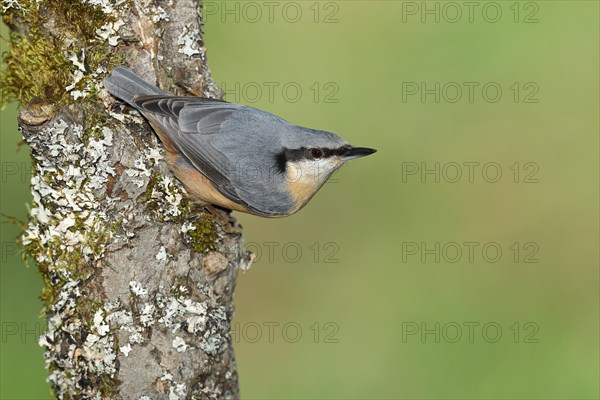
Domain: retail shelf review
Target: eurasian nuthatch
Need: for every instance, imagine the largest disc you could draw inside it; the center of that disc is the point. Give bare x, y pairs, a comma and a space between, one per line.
236, 156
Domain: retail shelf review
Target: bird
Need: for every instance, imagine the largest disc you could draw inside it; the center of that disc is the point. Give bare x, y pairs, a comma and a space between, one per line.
234, 156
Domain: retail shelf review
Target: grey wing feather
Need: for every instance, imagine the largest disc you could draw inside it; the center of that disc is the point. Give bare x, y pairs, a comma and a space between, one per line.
207, 133
193, 114
185, 119
203, 120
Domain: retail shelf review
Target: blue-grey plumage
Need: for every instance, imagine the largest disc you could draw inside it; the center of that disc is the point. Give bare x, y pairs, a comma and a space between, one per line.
236, 156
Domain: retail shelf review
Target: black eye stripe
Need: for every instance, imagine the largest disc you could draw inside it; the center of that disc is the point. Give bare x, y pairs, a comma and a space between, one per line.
304, 153
280, 161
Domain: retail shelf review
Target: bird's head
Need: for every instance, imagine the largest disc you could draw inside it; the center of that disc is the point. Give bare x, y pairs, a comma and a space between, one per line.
309, 162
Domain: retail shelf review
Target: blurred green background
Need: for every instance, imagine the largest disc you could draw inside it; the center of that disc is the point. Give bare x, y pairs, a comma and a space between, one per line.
356, 270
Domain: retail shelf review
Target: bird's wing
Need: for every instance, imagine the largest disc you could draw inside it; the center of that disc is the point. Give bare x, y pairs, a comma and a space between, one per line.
192, 114
185, 120
195, 127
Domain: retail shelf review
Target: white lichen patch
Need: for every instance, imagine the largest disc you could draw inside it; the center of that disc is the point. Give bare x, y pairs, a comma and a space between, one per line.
125, 349
137, 289
67, 180
186, 227
168, 196
125, 321
196, 324
79, 74
182, 290
211, 345
98, 350
11, 4
154, 154
94, 356
179, 344
199, 324
139, 173
98, 155
107, 6
177, 391
188, 43
100, 324
158, 14
74, 58
108, 32
162, 254
172, 197
147, 317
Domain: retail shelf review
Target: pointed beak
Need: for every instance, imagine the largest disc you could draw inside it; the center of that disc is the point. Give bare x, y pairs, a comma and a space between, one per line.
356, 152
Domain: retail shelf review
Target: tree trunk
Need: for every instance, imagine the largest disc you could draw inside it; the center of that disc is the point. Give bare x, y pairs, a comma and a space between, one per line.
138, 280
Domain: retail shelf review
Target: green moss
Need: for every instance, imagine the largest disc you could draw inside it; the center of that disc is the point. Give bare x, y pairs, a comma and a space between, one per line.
39, 53
204, 237
152, 203
77, 18
179, 288
109, 387
36, 65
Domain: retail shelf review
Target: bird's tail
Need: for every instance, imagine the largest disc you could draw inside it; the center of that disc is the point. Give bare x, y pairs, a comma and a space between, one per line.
126, 85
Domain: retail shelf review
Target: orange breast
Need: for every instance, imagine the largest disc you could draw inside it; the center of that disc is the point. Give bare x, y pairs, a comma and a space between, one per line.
301, 188
202, 189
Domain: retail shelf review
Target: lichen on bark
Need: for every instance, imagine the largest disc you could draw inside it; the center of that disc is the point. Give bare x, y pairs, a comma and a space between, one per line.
138, 279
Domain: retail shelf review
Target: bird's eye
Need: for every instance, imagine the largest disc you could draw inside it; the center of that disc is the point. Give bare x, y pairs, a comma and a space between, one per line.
316, 153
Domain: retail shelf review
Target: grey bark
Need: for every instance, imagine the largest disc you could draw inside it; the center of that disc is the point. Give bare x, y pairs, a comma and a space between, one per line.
140, 281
